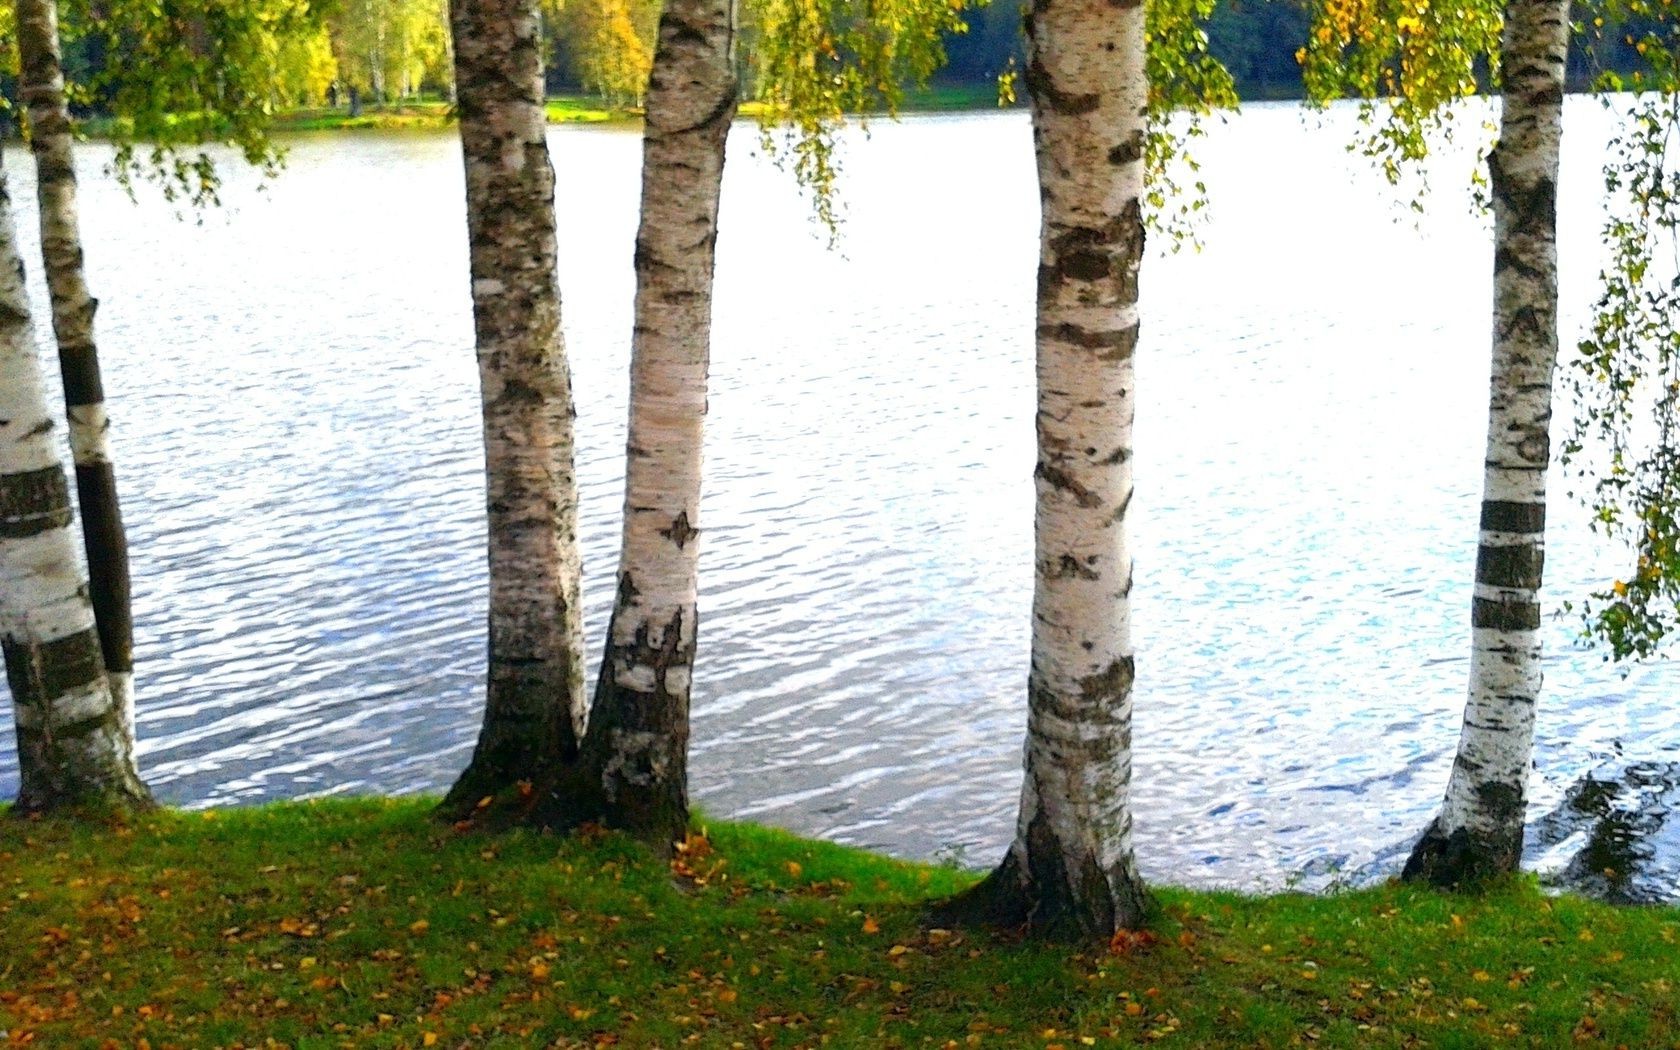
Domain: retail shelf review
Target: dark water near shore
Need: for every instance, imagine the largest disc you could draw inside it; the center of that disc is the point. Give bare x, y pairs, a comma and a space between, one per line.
295, 403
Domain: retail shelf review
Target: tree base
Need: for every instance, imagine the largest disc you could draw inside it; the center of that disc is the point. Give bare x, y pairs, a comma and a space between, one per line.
93, 807
562, 801
1460, 859
1012, 898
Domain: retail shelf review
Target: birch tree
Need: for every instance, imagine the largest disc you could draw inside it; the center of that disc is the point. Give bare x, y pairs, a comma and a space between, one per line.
1479, 830
1070, 870
41, 90
636, 753
631, 769
534, 707
74, 746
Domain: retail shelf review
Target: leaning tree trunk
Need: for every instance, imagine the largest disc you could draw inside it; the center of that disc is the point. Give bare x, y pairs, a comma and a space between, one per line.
74, 747
535, 704
633, 772
41, 88
1070, 871
1479, 831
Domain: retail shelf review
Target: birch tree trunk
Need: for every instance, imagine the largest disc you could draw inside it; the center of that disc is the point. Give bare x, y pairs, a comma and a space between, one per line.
74, 747
41, 89
1479, 830
1070, 871
535, 704
634, 772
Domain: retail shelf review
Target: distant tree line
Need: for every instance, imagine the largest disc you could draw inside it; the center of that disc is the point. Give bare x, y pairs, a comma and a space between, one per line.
1258, 41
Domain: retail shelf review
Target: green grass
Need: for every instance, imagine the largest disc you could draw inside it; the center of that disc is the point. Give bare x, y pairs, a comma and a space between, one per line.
588, 109
435, 114
364, 924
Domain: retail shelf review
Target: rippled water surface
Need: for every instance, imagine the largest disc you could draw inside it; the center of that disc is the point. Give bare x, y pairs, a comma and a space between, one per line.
299, 449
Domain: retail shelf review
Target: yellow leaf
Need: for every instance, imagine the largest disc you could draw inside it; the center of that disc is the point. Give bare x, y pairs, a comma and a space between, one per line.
419, 926
429, 1039
870, 925
794, 869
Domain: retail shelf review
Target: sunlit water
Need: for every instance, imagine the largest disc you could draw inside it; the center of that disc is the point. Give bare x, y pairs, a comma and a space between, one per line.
300, 456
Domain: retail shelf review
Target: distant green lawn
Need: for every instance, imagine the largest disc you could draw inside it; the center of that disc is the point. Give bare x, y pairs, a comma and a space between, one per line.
580, 109
364, 924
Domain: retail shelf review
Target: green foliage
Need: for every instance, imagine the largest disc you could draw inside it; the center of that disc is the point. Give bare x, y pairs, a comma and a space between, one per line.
1409, 61
811, 62
178, 75
815, 61
611, 42
1186, 85
363, 923
1624, 446
390, 49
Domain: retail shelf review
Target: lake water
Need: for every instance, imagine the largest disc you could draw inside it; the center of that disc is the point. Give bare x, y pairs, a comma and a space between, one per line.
294, 393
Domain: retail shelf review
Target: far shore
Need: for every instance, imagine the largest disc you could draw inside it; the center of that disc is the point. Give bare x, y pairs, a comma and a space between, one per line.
433, 114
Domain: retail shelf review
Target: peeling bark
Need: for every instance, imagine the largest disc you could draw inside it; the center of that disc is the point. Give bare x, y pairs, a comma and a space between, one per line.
1479, 830
75, 748
534, 707
41, 90
1070, 871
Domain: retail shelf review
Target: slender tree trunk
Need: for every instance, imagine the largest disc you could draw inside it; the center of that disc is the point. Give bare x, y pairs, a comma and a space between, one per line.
634, 771
74, 748
41, 88
1479, 831
1070, 871
535, 705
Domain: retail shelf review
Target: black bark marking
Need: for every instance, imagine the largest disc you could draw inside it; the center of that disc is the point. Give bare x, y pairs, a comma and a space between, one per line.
1069, 567
1520, 566
42, 672
34, 502
680, 531
1059, 480
1505, 616
108, 578
1462, 859
1128, 152
1116, 344
1503, 516
1042, 86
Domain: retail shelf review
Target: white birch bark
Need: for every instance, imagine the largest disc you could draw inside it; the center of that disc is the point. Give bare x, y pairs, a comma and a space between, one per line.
638, 732
1479, 830
41, 89
1070, 870
535, 704
74, 748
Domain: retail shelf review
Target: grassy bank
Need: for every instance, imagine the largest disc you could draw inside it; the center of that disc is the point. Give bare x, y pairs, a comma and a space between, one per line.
577, 109
434, 114
362, 924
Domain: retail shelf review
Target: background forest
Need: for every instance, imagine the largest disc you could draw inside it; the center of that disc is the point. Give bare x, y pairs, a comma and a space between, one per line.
352, 53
